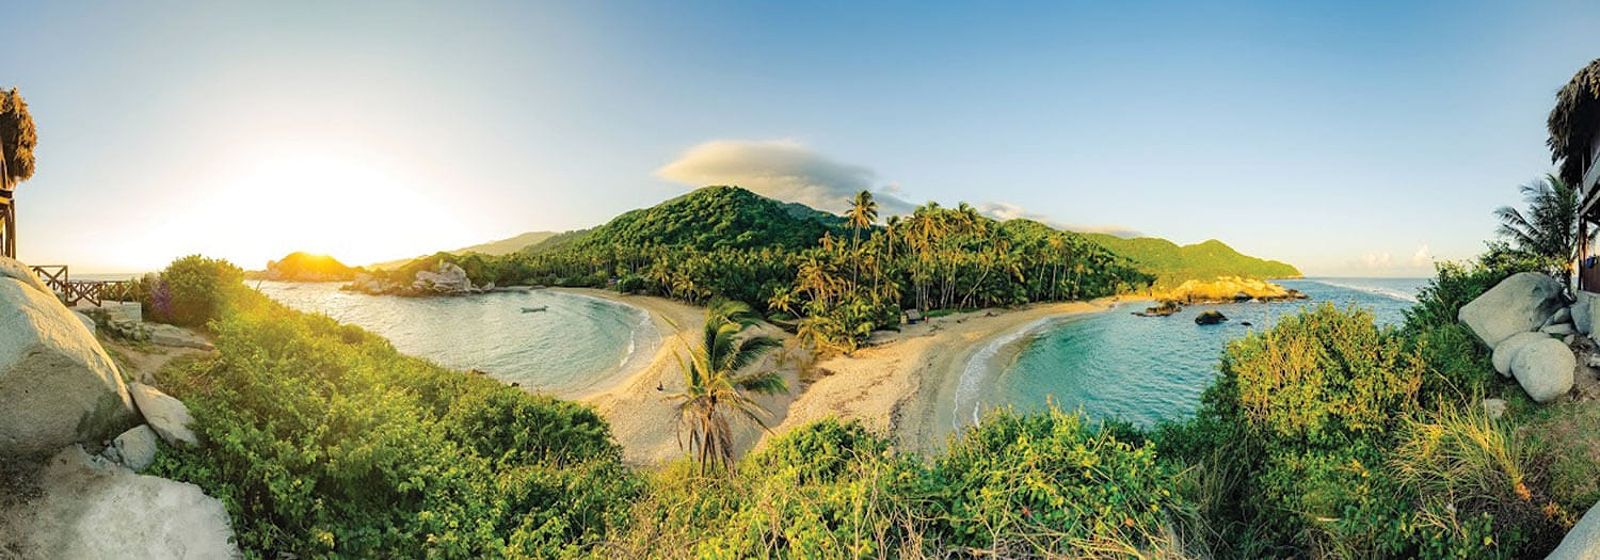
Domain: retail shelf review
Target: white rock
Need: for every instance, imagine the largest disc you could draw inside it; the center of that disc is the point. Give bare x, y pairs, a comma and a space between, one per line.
1582, 315
57, 385
93, 511
1517, 304
1508, 349
166, 415
175, 337
1583, 541
1558, 329
1544, 369
136, 448
449, 278
1495, 408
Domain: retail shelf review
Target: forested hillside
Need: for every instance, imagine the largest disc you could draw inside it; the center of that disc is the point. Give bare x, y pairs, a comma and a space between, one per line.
1173, 264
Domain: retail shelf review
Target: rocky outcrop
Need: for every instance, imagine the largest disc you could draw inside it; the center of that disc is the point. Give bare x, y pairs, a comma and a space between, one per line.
1228, 289
175, 337
1210, 318
445, 279
57, 385
166, 415
1583, 541
1545, 369
1519, 304
1507, 350
89, 509
1163, 309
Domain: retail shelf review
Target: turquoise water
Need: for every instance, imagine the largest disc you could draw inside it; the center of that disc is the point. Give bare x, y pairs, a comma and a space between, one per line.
1142, 369
579, 344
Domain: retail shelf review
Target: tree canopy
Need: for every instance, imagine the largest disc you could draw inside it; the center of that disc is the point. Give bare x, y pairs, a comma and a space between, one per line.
18, 138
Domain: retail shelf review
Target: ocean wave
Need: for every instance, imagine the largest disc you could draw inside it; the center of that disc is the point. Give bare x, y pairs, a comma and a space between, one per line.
1390, 293
979, 365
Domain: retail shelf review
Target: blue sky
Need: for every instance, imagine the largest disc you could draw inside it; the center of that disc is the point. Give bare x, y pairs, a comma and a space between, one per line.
1349, 139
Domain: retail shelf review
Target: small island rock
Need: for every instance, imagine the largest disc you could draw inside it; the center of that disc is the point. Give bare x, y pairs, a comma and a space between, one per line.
1210, 318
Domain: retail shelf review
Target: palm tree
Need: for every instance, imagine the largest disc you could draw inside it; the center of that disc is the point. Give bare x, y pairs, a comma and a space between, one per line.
715, 388
1549, 228
18, 138
863, 213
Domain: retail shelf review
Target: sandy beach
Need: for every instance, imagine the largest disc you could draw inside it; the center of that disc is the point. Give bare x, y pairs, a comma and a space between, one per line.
899, 385
902, 383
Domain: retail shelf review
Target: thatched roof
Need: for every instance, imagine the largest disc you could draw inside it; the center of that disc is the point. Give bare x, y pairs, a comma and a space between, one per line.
1574, 121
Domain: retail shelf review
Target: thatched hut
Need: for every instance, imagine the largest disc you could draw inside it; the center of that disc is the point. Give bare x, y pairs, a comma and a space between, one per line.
1575, 148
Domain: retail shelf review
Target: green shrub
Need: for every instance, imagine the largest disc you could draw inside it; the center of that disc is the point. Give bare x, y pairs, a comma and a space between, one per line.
321, 441
193, 290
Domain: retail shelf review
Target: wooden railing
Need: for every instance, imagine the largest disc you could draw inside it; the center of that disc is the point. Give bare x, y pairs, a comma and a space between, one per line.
73, 292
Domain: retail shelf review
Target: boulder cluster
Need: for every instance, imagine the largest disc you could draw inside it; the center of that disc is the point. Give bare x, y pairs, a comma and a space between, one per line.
446, 279
67, 414
1533, 328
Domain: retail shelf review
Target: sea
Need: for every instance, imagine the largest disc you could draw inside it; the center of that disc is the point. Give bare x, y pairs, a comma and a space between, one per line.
576, 345
1144, 370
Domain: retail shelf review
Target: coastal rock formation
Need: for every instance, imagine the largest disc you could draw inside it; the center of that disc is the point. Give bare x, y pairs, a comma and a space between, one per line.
1228, 289
57, 385
1583, 541
89, 509
166, 415
1163, 309
1508, 349
448, 279
1521, 303
1544, 368
1210, 318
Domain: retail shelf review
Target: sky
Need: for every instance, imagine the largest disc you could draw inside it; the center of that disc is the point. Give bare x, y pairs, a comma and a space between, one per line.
1349, 139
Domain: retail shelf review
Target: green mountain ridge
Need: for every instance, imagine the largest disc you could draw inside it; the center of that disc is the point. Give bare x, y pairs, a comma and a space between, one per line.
1173, 264
495, 248
708, 218
732, 217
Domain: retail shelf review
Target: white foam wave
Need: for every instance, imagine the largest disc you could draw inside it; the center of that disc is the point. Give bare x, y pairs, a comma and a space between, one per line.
1390, 293
979, 365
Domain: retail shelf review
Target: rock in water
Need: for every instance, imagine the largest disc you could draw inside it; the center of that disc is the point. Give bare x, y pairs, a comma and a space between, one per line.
1210, 318
1517, 304
1583, 541
448, 279
1544, 368
57, 385
1508, 349
166, 415
91, 511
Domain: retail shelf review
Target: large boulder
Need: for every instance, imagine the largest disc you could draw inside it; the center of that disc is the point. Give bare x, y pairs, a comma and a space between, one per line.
1508, 349
91, 509
1545, 369
1521, 303
1583, 541
1583, 312
57, 385
166, 415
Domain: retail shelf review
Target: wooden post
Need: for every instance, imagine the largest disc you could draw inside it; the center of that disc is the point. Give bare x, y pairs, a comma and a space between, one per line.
8, 224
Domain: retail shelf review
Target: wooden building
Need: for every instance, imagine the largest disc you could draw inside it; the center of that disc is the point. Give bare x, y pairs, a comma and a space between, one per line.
1575, 148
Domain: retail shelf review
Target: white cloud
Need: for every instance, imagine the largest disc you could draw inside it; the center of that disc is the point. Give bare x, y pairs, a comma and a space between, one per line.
1423, 258
789, 171
781, 169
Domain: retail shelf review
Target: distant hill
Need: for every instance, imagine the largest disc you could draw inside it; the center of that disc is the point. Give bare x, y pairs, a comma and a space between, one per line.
494, 248
708, 218
1173, 264
305, 267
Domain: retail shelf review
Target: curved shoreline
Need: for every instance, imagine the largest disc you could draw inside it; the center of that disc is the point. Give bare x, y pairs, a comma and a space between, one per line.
903, 385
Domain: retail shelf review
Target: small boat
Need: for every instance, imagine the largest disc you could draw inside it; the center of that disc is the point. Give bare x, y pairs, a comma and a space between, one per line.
535, 309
